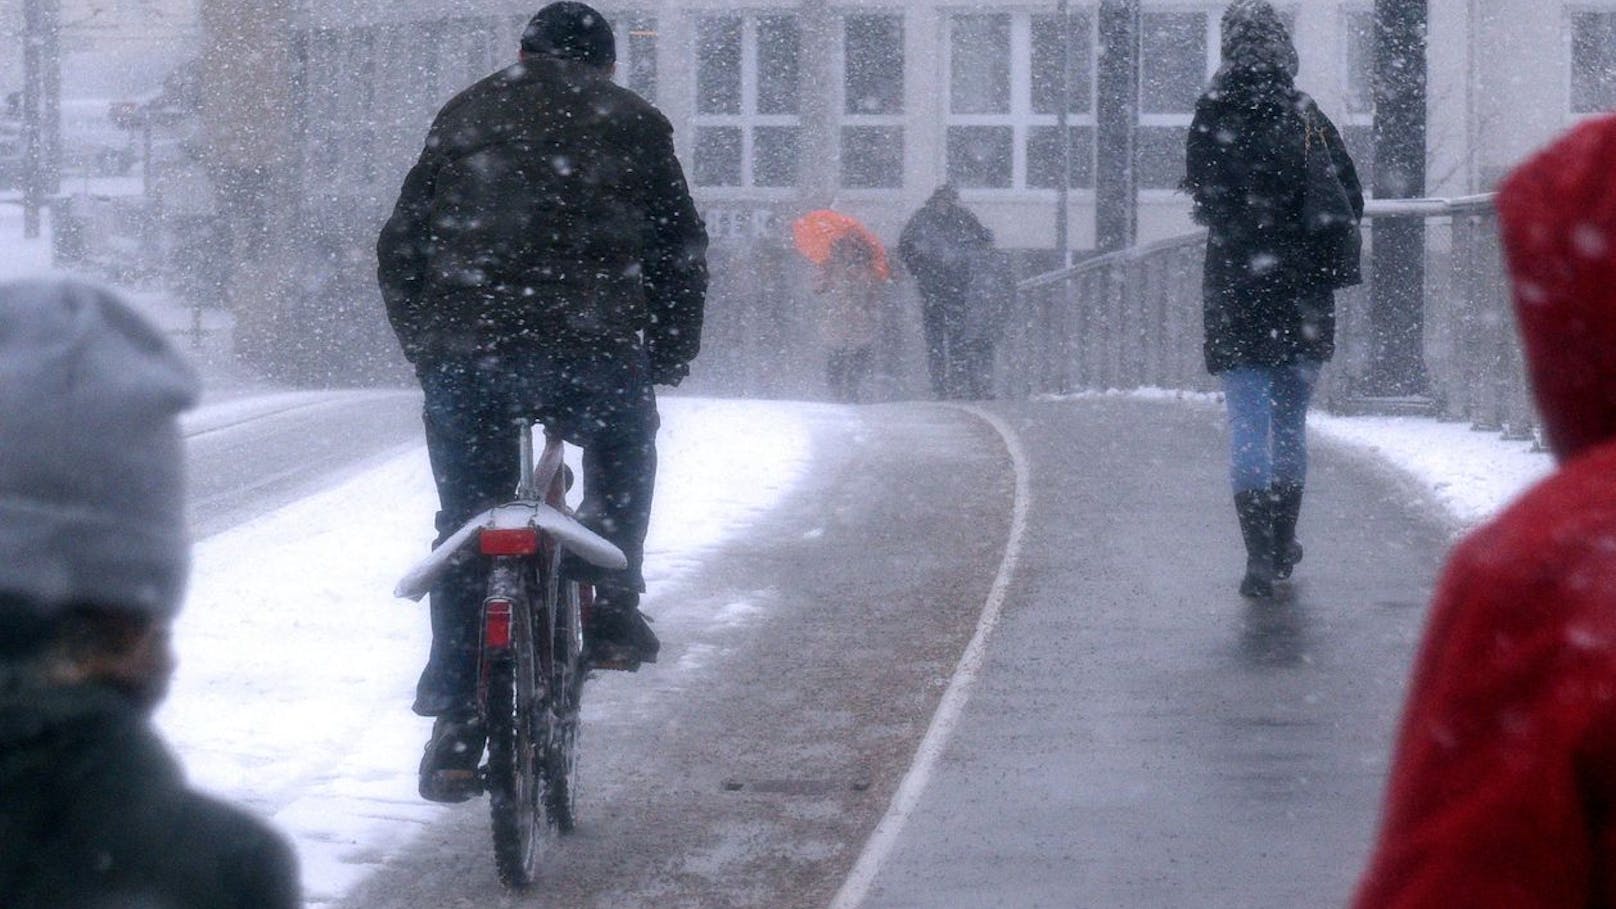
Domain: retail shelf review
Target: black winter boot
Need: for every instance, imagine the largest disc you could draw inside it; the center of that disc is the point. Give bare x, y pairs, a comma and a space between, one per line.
1257, 528
618, 636
1287, 504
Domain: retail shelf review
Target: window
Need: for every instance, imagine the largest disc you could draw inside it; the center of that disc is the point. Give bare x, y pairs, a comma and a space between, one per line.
637, 63
748, 77
1359, 45
1005, 78
1176, 58
1357, 119
1593, 62
872, 102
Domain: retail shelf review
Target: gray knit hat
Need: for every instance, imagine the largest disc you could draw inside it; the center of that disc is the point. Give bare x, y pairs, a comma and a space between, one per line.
1255, 38
92, 499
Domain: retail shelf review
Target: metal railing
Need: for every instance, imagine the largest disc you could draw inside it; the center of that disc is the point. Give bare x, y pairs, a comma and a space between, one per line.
1132, 319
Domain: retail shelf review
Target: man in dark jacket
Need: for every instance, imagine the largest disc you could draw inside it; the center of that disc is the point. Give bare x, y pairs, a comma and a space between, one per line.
94, 812
940, 245
544, 259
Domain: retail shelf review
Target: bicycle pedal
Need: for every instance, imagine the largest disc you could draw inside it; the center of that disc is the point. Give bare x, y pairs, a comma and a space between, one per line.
452, 786
615, 665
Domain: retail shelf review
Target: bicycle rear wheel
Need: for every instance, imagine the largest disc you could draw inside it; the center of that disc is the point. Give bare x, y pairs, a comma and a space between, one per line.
566, 681
517, 723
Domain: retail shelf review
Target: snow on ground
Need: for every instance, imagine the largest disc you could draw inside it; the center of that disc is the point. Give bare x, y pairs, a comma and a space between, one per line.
1470, 474
297, 666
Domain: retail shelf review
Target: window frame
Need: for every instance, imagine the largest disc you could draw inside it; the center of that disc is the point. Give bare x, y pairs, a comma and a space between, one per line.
845, 119
748, 121
1211, 19
1020, 118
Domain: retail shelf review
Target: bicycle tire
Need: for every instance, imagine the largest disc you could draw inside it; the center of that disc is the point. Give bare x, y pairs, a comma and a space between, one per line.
517, 732
566, 679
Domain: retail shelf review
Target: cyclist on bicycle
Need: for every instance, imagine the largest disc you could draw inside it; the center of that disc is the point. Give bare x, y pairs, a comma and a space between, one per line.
544, 259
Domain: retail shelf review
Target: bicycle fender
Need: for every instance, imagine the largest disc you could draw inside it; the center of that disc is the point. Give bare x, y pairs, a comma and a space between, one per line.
575, 537
418, 581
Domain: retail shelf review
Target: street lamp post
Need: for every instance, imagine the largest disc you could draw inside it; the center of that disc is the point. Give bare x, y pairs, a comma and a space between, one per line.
1116, 122
1063, 244
41, 108
1397, 270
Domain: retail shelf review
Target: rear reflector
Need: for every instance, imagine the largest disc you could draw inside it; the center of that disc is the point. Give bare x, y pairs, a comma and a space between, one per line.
497, 623
520, 541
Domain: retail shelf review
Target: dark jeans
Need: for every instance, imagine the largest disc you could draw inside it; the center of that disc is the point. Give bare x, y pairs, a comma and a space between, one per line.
961, 367
602, 403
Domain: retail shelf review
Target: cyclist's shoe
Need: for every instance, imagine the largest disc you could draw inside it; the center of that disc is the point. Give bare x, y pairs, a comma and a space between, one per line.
449, 767
619, 636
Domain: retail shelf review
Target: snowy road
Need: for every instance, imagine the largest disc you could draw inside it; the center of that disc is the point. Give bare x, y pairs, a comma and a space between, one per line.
1131, 734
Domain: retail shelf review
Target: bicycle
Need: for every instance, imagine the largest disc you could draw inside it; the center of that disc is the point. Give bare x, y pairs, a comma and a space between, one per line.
531, 669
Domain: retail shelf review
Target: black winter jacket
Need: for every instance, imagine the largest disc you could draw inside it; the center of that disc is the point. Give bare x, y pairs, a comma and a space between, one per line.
94, 814
1265, 303
939, 245
547, 211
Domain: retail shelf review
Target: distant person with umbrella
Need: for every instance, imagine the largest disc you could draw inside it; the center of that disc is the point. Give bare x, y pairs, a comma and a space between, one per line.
852, 269
941, 246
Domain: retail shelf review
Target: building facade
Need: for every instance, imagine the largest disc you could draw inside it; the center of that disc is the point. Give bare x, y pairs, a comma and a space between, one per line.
868, 107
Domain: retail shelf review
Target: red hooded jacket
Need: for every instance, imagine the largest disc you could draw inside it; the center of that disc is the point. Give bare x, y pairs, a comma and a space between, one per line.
1503, 789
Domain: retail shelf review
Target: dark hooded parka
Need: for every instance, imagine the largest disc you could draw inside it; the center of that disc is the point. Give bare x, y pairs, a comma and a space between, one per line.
1503, 787
547, 211
95, 814
1266, 303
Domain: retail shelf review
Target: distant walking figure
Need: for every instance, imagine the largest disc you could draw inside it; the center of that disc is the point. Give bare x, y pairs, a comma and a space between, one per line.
1273, 183
940, 246
851, 286
1505, 772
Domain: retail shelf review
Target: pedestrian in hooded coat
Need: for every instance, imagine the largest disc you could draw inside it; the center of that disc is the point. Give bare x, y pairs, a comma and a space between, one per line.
544, 259
1504, 779
1269, 310
940, 246
94, 811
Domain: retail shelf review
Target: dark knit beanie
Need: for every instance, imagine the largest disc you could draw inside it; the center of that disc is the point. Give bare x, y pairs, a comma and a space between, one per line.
1255, 38
571, 31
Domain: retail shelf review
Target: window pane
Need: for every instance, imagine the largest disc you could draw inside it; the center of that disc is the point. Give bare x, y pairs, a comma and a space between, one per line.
774, 156
873, 46
872, 156
1160, 156
777, 65
1046, 64
1044, 157
718, 156
1593, 62
718, 65
1172, 62
1360, 62
980, 155
641, 75
979, 77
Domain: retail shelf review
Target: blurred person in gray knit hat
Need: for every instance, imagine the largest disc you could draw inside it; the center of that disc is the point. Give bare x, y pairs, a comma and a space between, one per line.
94, 554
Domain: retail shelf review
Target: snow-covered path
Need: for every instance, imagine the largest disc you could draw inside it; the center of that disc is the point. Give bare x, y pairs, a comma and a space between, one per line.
297, 665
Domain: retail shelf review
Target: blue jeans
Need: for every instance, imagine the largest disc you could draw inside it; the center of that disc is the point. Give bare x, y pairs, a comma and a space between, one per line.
1268, 423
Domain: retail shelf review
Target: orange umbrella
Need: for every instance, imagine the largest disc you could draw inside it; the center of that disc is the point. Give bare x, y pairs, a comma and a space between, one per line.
815, 233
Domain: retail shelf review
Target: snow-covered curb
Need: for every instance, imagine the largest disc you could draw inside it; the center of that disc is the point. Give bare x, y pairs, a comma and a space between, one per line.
1470, 474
